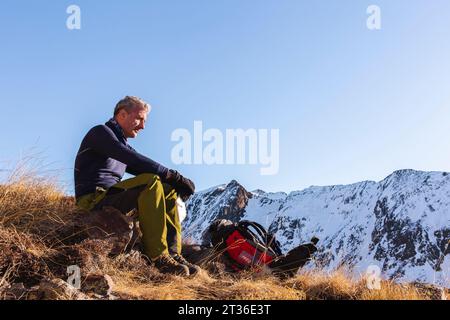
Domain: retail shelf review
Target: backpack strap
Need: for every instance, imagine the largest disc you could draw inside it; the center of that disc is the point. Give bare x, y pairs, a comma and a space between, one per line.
261, 236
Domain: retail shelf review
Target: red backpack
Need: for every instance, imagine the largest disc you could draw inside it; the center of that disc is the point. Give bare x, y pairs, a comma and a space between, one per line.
244, 245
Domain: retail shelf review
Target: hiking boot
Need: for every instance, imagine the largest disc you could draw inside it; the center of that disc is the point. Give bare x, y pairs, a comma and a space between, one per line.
166, 264
193, 268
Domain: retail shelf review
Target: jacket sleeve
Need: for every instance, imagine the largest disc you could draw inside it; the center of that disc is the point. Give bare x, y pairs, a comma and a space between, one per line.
103, 141
131, 171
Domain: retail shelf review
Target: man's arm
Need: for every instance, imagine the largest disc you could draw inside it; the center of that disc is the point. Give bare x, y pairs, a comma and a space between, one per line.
130, 169
103, 141
184, 186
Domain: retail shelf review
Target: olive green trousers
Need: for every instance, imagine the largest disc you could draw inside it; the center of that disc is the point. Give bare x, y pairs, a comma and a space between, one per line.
156, 206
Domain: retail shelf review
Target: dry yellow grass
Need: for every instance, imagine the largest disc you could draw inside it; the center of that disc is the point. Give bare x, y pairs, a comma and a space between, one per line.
28, 204
340, 285
311, 286
28, 201
392, 291
200, 288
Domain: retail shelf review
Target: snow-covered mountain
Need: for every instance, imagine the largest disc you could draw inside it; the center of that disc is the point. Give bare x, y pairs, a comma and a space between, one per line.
400, 224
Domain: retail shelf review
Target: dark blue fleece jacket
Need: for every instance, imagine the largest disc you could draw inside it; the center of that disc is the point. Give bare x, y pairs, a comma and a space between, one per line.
104, 157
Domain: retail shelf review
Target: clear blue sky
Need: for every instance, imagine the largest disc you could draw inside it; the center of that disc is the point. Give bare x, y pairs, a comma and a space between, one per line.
351, 104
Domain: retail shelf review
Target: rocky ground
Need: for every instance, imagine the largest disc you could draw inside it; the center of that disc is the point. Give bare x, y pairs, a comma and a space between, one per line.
43, 235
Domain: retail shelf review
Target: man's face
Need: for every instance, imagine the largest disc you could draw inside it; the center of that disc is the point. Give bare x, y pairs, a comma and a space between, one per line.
132, 122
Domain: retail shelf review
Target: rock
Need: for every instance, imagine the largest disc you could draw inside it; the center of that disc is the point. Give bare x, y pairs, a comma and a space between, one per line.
48, 289
108, 223
97, 284
16, 291
56, 289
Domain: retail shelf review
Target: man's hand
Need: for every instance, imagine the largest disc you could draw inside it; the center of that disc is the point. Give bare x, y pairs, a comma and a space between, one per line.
184, 187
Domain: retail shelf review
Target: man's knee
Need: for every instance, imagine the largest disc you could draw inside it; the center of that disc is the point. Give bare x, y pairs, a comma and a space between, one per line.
151, 179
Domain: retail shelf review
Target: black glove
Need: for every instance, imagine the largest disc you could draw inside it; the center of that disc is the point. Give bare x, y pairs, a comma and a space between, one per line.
184, 187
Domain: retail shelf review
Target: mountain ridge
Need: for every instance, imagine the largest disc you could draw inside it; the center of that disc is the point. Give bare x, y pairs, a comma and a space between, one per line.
399, 224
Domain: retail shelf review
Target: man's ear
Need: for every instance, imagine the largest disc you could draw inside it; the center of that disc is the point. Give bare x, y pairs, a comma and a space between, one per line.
121, 115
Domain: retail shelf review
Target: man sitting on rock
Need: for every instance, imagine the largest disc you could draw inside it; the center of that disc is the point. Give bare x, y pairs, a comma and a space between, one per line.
102, 160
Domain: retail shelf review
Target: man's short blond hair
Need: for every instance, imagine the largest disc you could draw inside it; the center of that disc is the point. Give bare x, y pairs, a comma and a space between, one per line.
129, 103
